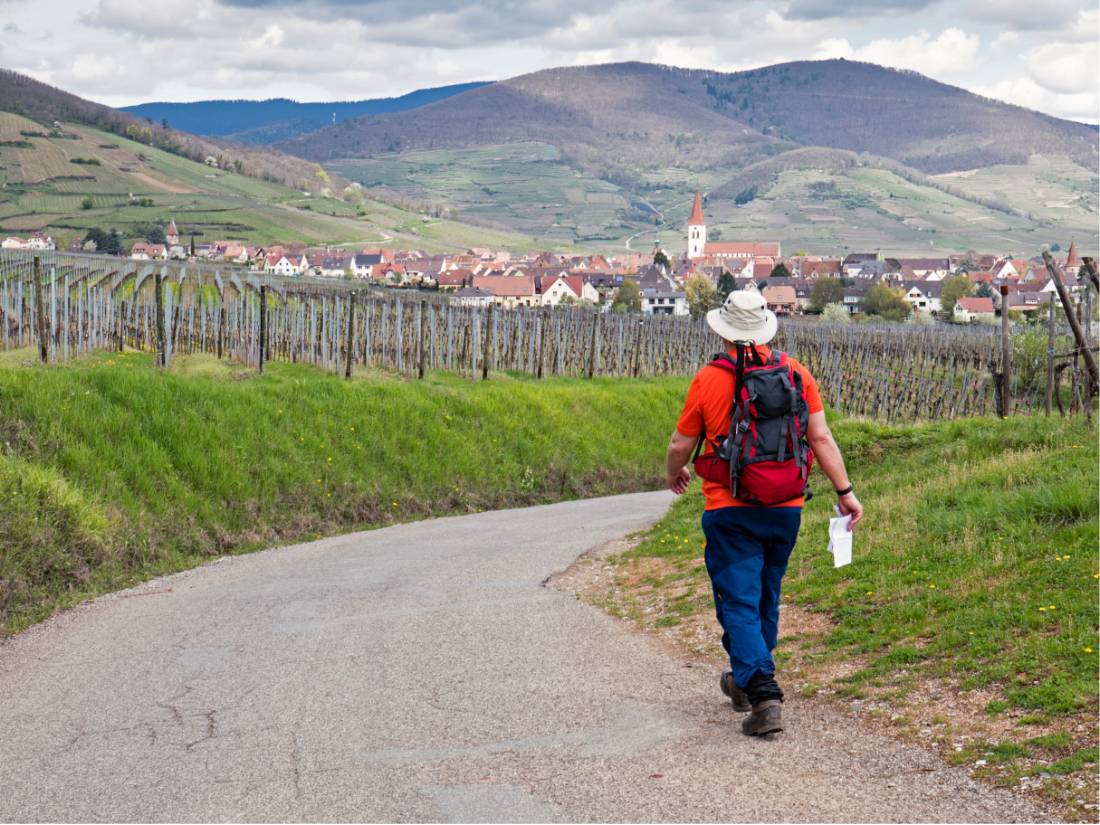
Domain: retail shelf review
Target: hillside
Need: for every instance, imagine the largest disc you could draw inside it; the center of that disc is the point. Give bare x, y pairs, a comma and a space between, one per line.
45, 104
630, 112
611, 155
270, 121
113, 472
69, 180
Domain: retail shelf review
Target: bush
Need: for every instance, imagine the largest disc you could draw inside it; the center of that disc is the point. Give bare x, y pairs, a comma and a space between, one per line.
836, 314
87, 203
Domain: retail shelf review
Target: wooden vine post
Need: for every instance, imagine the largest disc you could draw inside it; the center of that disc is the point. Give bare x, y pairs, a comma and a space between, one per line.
1071, 316
592, 349
1050, 358
349, 355
263, 325
1006, 357
487, 343
422, 355
40, 313
162, 340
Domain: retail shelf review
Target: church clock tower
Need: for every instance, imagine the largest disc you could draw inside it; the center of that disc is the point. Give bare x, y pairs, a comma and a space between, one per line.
697, 230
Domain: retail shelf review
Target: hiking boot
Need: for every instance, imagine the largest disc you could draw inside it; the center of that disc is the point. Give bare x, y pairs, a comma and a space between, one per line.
766, 717
738, 698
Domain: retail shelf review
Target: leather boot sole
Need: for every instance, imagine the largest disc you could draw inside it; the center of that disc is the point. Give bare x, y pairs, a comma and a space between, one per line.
766, 717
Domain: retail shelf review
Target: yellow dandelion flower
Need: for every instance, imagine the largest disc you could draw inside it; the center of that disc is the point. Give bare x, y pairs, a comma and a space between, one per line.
1042, 610
870, 592
1052, 607
1087, 649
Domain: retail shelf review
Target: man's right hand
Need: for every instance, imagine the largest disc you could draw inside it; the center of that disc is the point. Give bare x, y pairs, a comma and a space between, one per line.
678, 482
849, 506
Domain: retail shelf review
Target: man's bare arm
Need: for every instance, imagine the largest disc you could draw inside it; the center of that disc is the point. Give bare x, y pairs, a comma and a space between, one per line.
677, 474
832, 464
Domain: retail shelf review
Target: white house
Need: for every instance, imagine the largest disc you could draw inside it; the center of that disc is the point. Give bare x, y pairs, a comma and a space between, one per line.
37, 240
13, 243
284, 266
971, 310
657, 302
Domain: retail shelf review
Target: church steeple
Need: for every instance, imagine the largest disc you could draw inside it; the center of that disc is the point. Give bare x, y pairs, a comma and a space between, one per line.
697, 229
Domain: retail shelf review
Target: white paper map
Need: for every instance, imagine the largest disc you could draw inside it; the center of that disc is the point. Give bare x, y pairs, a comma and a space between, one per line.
840, 540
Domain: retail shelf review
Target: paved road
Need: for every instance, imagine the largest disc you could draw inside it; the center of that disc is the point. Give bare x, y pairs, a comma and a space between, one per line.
419, 672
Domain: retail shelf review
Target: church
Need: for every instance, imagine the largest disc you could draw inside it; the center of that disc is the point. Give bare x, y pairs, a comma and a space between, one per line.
698, 249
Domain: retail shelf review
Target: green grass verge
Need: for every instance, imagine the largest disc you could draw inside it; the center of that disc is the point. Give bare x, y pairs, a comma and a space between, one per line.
112, 472
976, 561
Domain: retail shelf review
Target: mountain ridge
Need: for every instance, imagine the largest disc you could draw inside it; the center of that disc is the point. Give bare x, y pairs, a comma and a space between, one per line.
619, 113
280, 118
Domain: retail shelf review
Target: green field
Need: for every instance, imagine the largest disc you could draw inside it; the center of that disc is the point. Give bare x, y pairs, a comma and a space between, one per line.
112, 472
969, 611
41, 188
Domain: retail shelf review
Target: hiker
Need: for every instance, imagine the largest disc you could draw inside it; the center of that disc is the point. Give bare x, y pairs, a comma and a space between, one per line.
755, 461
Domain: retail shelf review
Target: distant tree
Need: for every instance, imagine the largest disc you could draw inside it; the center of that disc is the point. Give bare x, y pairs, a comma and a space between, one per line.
164, 123
826, 291
628, 298
836, 314
192, 250
726, 284
955, 287
87, 203
780, 271
156, 234
701, 294
745, 196
1056, 247
886, 303
984, 290
660, 258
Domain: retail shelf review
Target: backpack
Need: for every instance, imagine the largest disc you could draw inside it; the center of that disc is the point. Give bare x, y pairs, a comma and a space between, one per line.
764, 458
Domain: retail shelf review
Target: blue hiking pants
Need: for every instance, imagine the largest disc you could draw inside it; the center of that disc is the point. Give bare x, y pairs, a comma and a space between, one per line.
746, 555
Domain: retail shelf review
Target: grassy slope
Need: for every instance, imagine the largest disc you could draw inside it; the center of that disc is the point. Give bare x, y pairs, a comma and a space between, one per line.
530, 188
111, 472
215, 203
975, 568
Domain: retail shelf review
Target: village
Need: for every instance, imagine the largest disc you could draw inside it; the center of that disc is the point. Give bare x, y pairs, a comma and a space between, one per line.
657, 282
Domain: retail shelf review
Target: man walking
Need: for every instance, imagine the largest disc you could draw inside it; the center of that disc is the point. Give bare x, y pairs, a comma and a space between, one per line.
754, 468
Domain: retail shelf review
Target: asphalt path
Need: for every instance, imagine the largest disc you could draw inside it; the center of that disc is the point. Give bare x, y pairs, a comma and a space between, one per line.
420, 672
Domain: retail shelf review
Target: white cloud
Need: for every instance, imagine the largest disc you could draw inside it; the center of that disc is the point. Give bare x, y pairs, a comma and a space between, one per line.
951, 53
1023, 91
1065, 68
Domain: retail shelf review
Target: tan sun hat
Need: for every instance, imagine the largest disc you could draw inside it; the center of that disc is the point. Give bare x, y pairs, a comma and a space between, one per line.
744, 316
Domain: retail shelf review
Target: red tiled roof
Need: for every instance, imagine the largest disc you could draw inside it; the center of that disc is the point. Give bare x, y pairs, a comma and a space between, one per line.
1071, 257
976, 304
518, 286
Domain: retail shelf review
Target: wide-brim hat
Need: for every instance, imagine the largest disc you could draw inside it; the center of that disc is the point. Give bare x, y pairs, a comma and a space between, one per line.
744, 316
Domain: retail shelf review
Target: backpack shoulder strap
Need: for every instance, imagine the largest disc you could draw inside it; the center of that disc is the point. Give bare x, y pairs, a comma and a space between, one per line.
723, 362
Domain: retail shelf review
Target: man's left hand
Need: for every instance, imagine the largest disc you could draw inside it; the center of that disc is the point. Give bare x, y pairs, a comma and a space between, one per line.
678, 482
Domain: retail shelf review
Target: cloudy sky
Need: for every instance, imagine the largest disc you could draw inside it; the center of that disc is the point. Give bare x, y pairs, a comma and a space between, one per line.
1037, 53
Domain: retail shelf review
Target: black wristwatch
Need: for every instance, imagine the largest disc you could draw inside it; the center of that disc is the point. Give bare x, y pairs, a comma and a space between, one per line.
845, 491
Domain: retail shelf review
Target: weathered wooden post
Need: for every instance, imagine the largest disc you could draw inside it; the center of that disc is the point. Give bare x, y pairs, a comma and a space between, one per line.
542, 340
1050, 357
349, 356
422, 354
592, 350
1071, 316
1006, 356
40, 313
162, 342
487, 343
263, 325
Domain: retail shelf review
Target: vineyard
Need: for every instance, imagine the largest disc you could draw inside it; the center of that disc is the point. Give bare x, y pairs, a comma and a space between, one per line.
68, 305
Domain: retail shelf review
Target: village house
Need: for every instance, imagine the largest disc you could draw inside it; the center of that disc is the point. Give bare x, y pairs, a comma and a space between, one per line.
923, 295
363, 264
508, 292
781, 299
659, 302
555, 289
698, 247
473, 297
144, 251
970, 310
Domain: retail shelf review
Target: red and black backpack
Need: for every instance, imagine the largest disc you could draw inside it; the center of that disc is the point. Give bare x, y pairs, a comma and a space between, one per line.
764, 458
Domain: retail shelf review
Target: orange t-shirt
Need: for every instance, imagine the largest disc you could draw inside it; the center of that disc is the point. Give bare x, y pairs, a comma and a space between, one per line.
707, 408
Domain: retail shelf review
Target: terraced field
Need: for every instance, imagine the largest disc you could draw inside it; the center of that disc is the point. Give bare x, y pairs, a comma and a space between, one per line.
119, 183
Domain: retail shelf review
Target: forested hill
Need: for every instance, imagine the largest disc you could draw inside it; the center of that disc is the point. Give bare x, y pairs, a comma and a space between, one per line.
638, 113
269, 121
